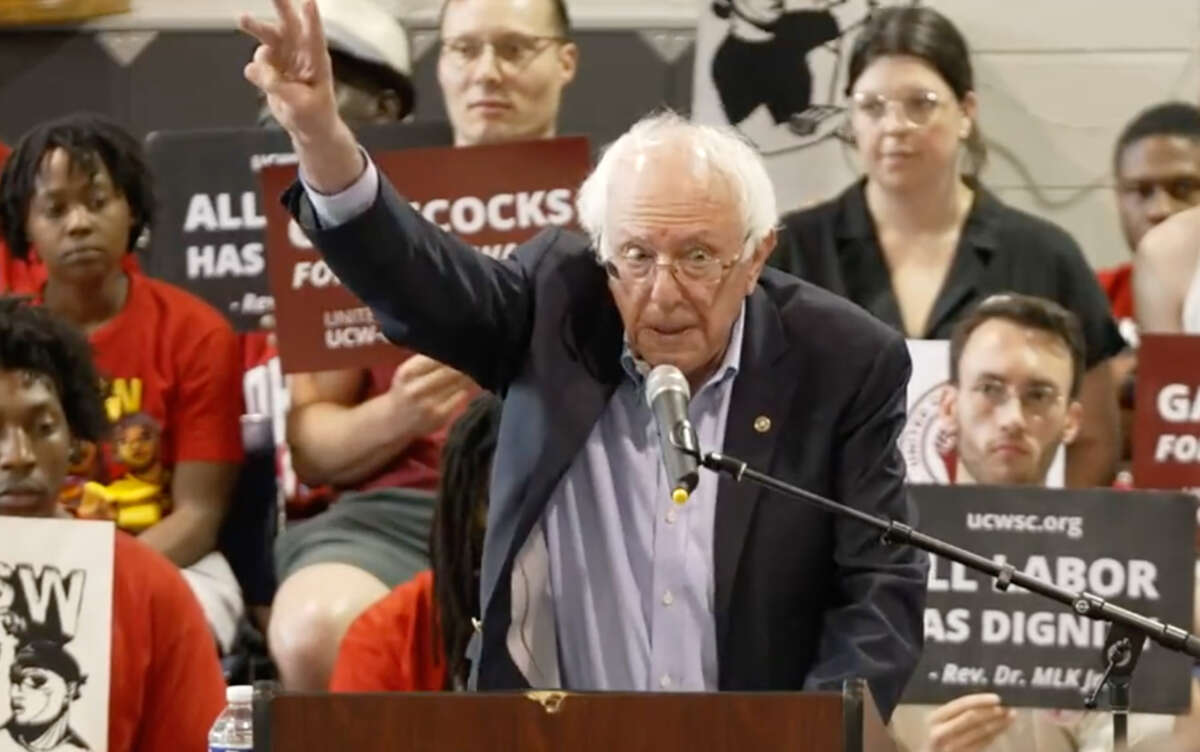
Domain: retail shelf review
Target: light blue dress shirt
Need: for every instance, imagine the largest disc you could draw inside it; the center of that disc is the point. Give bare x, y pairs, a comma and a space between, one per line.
631, 572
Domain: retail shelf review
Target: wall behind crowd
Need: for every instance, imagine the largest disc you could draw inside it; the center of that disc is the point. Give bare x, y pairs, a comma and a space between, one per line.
1056, 82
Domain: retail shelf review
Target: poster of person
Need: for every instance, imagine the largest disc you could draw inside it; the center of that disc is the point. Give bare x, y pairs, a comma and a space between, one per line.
492, 197
928, 441
1036, 652
208, 234
55, 634
775, 70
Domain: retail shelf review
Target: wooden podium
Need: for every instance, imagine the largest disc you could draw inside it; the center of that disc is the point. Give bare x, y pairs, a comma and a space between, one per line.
570, 722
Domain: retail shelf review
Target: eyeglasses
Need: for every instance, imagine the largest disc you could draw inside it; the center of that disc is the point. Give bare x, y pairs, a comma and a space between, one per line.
917, 108
1037, 400
512, 51
697, 265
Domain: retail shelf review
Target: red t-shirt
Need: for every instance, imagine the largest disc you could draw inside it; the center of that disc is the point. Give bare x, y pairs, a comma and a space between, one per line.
16, 276
166, 686
1117, 284
389, 647
171, 376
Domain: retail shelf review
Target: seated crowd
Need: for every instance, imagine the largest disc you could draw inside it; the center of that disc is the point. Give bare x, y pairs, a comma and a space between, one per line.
136, 385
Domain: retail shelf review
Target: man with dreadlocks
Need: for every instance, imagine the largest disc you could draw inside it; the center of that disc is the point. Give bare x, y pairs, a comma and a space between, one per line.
166, 684
415, 639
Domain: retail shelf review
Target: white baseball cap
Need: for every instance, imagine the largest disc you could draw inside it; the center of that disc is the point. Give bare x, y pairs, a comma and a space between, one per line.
362, 29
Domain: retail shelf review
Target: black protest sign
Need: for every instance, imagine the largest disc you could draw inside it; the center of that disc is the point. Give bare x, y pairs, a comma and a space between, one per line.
208, 237
1133, 548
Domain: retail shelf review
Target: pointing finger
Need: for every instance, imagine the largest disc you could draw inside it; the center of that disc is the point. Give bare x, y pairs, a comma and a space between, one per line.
315, 38
288, 17
264, 31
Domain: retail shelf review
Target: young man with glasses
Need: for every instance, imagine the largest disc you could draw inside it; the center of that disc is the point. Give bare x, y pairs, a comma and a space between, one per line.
503, 67
1016, 368
377, 434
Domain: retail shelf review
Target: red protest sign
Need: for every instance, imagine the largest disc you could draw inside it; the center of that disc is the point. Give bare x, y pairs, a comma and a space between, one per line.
493, 197
1166, 422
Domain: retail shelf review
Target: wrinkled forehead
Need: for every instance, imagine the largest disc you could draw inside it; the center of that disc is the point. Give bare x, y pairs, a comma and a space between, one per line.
1019, 354
1159, 156
667, 173
60, 169
25, 385
534, 17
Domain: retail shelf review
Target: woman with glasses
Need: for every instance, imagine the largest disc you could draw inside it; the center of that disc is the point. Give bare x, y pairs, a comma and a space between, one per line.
918, 239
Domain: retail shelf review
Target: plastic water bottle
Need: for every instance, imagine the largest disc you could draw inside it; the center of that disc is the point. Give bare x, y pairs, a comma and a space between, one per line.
234, 728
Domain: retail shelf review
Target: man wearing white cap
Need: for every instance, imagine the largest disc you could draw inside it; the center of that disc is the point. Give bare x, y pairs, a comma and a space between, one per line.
372, 68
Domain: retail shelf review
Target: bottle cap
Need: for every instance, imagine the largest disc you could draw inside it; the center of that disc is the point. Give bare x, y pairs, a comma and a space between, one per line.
240, 693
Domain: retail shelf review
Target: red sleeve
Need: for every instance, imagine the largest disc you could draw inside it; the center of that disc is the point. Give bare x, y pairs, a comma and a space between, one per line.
388, 647
208, 427
184, 690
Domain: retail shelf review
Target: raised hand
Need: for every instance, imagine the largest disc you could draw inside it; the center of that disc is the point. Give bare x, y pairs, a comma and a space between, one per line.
292, 68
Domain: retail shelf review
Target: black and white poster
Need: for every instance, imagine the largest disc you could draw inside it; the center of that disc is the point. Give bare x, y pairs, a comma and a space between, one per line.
208, 237
55, 634
776, 70
1124, 546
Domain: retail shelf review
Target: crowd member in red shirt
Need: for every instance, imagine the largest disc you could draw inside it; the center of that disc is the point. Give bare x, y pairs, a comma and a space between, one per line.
17, 275
78, 192
1156, 164
166, 686
416, 638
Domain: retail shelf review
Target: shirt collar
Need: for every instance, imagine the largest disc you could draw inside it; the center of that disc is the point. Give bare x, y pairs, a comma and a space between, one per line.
979, 231
637, 369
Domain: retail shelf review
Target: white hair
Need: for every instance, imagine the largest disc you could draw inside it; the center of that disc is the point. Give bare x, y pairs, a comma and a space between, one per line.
724, 148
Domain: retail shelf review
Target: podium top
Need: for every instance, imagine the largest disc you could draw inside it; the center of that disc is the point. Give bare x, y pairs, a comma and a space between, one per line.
553, 721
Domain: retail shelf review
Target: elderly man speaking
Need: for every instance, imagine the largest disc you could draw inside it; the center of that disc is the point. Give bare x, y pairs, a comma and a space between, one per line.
593, 578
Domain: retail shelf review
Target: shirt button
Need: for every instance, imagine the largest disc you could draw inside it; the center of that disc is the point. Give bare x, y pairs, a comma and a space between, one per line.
665, 681
668, 599
672, 515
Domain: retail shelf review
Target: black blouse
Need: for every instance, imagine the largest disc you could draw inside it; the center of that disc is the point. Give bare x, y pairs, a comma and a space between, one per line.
1000, 249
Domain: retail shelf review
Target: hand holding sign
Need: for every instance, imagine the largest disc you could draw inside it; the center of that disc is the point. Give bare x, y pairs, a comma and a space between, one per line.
293, 69
968, 723
427, 393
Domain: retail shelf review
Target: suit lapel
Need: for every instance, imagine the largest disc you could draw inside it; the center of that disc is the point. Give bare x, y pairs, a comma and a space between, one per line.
592, 336
752, 430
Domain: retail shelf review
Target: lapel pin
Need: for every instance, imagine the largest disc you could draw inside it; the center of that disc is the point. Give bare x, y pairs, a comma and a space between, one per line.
762, 424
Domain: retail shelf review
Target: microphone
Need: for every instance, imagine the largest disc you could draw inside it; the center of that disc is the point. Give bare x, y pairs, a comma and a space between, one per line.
667, 395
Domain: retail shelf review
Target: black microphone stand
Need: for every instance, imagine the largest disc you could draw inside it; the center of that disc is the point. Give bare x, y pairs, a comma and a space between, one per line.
1122, 647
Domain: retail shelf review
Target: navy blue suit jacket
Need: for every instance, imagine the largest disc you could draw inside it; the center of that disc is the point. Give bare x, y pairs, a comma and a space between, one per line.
803, 599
